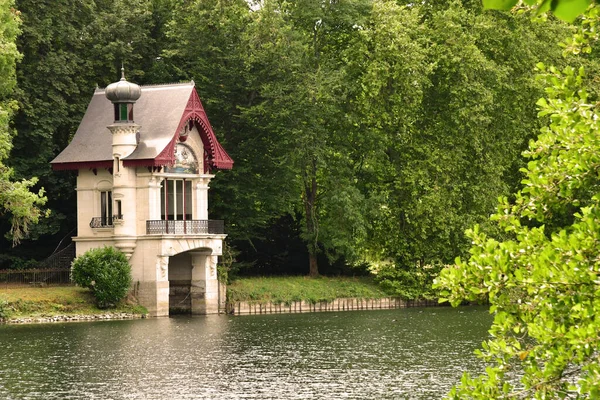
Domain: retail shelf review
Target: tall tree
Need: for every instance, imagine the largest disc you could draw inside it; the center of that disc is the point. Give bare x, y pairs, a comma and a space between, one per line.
305, 109
449, 160
22, 206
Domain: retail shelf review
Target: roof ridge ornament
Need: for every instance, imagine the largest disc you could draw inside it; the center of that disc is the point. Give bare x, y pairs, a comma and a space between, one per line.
123, 72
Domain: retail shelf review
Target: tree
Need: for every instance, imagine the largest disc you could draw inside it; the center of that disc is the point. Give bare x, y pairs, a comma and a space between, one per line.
16, 199
542, 279
447, 122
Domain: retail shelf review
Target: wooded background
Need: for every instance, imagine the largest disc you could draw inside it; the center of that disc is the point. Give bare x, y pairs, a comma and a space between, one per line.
365, 133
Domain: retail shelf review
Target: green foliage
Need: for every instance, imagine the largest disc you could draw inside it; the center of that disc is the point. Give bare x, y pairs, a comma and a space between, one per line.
445, 146
106, 272
378, 130
567, 10
543, 278
16, 200
408, 283
4, 309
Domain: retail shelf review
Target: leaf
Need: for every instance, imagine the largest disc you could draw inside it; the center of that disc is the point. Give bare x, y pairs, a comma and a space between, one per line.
499, 4
568, 10
545, 6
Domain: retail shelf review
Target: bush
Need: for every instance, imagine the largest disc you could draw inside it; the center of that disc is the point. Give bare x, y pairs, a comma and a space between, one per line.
409, 283
4, 309
106, 272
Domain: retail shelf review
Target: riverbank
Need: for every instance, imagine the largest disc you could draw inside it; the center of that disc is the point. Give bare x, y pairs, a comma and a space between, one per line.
59, 304
257, 295
289, 289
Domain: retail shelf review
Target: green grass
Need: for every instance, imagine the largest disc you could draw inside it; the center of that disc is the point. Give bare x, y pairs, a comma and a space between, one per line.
295, 288
55, 300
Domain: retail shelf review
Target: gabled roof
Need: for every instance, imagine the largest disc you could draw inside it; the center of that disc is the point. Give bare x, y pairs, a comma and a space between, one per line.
161, 112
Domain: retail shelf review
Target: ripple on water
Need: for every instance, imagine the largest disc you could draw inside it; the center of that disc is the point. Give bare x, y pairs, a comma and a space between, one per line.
390, 354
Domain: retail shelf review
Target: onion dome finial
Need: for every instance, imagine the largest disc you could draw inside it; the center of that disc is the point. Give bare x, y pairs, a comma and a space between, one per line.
123, 91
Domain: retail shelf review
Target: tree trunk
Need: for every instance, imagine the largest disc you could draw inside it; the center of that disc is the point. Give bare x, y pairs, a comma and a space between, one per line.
312, 226
313, 267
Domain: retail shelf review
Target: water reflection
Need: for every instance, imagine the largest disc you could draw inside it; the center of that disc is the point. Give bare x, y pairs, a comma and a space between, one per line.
392, 354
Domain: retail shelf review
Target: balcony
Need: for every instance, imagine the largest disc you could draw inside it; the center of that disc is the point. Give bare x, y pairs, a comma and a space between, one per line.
189, 227
105, 222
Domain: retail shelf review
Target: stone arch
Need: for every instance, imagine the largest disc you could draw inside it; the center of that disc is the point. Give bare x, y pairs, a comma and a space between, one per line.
192, 280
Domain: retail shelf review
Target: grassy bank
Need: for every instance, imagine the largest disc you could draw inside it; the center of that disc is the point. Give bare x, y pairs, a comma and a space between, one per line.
52, 301
296, 288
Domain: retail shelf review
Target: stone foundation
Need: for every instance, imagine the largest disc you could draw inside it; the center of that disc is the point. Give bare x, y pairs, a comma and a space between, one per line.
154, 295
343, 304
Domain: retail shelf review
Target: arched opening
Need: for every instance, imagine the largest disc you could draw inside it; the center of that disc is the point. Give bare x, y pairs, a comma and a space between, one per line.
193, 283
180, 283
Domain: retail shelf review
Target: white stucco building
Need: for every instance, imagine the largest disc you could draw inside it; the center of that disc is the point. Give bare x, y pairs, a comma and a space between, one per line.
144, 158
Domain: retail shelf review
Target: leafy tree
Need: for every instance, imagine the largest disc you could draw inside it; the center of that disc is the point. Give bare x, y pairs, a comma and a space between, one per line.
449, 157
215, 43
542, 279
305, 109
277, 96
16, 199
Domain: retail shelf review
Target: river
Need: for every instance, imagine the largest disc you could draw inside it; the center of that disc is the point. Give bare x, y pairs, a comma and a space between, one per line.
414, 353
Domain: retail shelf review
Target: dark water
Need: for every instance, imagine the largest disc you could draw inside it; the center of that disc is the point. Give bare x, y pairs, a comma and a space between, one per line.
392, 354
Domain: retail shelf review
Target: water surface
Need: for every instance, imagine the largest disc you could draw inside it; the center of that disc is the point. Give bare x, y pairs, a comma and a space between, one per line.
415, 353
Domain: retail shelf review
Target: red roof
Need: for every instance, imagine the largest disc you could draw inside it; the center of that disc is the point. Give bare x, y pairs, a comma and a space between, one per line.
160, 127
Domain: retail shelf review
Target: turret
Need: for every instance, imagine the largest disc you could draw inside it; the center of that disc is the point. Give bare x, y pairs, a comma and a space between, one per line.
123, 95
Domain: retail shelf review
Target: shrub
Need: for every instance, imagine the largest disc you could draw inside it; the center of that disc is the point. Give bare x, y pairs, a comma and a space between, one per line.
408, 283
106, 272
4, 309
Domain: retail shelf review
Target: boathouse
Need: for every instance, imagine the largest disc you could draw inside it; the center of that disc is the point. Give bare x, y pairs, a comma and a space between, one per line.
144, 157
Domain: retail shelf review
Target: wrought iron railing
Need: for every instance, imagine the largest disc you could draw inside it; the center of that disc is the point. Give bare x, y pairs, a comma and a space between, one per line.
101, 222
34, 277
190, 227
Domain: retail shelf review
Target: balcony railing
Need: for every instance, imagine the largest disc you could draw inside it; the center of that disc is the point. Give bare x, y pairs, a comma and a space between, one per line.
105, 222
190, 227
101, 222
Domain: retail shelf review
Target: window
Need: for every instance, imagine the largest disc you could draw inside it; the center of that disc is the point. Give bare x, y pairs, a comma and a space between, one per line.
106, 215
118, 215
123, 112
176, 199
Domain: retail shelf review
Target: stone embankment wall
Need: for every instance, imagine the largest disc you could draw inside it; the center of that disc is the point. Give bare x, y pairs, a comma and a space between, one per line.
72, 318
344, 304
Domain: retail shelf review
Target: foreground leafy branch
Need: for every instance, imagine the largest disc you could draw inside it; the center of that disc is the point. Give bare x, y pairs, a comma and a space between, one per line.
543, 283
16, 199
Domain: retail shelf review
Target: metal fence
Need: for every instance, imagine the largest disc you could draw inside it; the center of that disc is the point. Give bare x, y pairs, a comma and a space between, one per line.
54, 270
183, 227
10, 278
